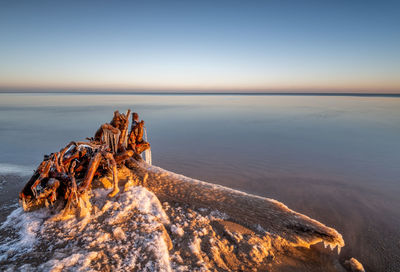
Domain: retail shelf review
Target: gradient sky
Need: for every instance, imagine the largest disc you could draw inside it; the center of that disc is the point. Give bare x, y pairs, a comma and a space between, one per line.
200, 45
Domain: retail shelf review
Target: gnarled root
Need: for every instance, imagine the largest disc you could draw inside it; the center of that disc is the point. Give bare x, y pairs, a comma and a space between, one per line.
70, 171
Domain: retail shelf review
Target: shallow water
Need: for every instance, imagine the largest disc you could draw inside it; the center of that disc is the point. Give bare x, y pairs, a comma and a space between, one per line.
333, 158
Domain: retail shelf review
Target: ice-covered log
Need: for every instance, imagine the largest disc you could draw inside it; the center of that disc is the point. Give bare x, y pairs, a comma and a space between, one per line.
247, 209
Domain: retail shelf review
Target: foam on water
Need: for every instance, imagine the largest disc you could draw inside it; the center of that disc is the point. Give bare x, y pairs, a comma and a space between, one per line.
22, 170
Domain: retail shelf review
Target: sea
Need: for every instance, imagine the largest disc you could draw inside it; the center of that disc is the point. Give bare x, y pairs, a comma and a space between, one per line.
335, 158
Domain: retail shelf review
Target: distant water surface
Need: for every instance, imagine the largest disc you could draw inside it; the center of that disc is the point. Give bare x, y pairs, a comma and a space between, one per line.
334, 158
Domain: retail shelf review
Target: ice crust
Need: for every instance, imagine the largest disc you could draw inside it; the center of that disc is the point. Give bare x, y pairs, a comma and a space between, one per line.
127, 233
134, 231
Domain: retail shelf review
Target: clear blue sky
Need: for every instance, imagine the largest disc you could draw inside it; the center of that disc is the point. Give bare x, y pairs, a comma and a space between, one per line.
201, 45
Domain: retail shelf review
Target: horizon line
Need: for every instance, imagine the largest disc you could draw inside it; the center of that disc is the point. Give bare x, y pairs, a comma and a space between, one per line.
92, 92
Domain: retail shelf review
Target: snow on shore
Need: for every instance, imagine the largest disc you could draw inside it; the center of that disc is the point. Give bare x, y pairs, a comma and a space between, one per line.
117, 235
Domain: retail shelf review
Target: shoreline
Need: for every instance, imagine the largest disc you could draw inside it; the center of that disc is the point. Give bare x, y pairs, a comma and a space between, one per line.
281, 251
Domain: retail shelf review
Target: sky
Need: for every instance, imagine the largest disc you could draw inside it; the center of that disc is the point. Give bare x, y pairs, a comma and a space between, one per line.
266, 46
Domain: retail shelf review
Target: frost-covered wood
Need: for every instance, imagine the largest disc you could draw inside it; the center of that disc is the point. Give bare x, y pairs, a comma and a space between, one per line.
244, 231
66, 176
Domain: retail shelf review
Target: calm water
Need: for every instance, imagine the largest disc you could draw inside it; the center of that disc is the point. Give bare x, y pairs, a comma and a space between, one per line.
336, 159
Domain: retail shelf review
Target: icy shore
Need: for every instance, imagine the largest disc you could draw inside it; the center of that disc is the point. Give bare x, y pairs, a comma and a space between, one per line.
162, 221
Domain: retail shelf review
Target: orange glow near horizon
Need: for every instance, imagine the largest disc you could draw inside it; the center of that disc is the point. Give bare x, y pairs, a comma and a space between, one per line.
371, 87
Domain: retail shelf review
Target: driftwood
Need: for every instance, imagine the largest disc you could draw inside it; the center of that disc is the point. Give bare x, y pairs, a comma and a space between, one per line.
248, 210
67, 175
